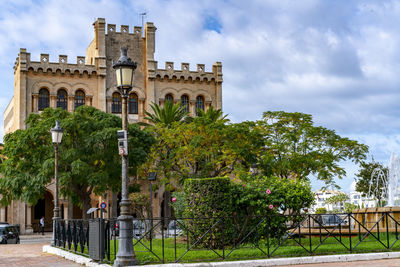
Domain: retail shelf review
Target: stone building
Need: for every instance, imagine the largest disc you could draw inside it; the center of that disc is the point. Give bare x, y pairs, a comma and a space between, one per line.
91, 81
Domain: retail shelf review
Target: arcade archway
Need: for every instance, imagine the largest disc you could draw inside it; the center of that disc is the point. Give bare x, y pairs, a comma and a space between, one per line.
44, 207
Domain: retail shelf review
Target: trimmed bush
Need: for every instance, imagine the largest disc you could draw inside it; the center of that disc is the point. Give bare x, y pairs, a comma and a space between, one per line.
178, 203
208, 200
268, 197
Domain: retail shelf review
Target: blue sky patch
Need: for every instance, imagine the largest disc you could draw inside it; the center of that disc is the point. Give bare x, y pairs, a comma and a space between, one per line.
213, 24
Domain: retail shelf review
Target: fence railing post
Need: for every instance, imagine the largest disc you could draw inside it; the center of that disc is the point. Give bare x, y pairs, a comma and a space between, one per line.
349, 219
223, 237
309, 232
387, 230
162, 239
377, 227
176, 225
300, 233
268, 229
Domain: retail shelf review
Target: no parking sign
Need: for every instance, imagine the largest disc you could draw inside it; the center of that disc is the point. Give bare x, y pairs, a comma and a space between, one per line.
103, 205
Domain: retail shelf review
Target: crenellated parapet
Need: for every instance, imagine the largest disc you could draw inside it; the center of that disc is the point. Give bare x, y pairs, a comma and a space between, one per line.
124, 29
185, 74
24, 63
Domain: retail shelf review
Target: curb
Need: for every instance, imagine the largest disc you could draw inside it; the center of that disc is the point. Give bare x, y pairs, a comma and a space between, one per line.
250, 263
72, 257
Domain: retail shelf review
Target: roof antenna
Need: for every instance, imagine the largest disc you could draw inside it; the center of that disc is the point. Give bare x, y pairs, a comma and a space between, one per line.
144, 14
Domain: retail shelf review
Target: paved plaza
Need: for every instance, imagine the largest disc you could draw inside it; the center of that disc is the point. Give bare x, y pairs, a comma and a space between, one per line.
30, 255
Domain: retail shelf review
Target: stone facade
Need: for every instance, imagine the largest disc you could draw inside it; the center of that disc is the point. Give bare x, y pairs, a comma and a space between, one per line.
91, 81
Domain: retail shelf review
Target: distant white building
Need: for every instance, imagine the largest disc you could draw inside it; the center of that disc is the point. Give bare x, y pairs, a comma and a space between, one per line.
356, 198
322, 195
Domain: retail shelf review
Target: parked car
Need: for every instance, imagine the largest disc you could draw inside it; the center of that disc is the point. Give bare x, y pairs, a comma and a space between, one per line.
174, 229
9, 234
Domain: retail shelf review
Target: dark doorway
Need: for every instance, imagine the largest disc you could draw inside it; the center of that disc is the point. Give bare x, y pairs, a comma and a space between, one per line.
44, 207
40, 209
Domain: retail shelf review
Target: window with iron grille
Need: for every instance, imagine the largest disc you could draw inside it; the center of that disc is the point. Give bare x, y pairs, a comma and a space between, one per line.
199, 103
133, 104
62, 99
116, 106
169, 98
185, 103
79, 98
44, 101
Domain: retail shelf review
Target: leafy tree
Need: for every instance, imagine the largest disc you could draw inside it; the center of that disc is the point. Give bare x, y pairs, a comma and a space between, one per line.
200, 149
321, 211
211, 115
337, 199
349, 207
295, 148
367, 183
287, 196
88, 157
140, 204
166, 114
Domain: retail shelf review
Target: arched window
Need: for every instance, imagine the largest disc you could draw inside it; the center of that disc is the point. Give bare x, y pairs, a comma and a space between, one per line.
133, 104
116, 106
199, 103
169, 98
62, 99
44, 100
185, 102
79, 98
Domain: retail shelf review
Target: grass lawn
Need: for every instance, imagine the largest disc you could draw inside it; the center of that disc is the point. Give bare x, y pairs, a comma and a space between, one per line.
290, 248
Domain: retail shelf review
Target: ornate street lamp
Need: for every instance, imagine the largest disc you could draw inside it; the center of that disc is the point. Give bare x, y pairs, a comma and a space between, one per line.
56, 136
124, 69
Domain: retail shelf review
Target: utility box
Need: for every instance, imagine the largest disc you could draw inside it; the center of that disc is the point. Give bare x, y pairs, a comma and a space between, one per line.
96, 239
97, 236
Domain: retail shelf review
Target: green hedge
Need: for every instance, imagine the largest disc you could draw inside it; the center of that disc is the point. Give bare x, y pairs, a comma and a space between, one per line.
208, 200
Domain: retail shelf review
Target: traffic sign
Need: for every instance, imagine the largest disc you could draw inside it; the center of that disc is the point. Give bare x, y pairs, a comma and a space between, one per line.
121, 151
103, 205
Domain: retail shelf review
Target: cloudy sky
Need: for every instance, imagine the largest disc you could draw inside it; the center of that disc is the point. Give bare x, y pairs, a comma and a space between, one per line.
337, 60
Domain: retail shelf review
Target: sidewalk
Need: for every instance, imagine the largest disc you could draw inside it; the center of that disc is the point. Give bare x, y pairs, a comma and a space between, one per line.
36, 236
374, 263
30, 255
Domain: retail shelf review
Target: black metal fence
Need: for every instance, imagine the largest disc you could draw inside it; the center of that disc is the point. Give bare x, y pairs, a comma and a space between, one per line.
162, 240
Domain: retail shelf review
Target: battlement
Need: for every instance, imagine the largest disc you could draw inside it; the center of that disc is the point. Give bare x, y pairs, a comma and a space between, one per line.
44, 65
185, 74
124, 29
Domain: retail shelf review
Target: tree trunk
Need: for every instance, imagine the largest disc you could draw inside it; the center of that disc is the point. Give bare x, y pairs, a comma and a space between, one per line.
84, 196
86, 205
70, 209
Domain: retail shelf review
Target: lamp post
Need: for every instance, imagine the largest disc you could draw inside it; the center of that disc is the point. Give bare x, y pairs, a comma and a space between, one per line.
124, 69
152, 177
56, 136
